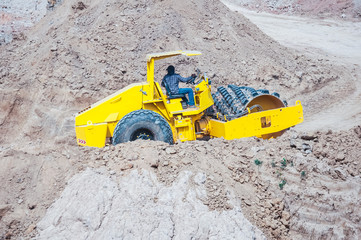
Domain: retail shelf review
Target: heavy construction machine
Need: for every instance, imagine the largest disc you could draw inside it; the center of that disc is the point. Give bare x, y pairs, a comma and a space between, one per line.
144, 111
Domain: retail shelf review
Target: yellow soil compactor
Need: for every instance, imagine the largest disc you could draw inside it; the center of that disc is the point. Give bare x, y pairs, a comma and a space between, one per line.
143, 111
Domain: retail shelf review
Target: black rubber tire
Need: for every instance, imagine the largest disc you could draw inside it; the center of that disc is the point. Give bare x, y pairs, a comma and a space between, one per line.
142, 124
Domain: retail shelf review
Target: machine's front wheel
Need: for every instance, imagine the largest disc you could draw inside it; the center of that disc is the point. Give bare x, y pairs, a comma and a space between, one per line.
234, 101
142, 124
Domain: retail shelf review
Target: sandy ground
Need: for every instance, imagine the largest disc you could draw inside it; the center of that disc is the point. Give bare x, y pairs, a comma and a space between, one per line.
345, 9
307, 186
337, 41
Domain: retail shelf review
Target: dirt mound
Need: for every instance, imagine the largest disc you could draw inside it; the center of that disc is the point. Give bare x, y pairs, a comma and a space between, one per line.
85, 50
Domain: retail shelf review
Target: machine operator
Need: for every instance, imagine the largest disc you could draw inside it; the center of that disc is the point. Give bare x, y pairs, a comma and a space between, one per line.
172, 81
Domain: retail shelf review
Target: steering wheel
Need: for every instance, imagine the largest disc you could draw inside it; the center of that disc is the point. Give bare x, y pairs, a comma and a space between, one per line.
199, 77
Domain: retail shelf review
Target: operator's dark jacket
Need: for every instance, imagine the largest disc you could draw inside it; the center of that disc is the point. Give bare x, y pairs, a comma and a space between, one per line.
173, 82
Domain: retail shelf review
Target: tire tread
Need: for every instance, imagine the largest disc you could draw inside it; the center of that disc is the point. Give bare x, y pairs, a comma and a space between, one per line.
149, 115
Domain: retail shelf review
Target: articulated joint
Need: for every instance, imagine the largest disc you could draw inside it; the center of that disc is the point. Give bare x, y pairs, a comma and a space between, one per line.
202, 127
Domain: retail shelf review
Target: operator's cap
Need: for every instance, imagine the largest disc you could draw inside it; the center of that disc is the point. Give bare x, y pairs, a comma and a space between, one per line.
170, 67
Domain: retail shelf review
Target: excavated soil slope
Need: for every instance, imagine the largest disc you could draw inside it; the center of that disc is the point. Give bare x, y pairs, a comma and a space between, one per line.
83, 51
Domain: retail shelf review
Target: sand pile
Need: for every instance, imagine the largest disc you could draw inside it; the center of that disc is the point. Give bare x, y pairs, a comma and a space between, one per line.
140, 207
85, 50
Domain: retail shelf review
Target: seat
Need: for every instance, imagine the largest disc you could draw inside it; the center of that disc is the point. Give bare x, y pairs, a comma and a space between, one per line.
176, 96
173, 96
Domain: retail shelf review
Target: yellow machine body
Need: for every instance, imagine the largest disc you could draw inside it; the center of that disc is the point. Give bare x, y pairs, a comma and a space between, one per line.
95, 124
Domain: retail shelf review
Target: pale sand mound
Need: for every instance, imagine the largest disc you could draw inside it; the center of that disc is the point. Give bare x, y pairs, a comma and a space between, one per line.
138, 206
